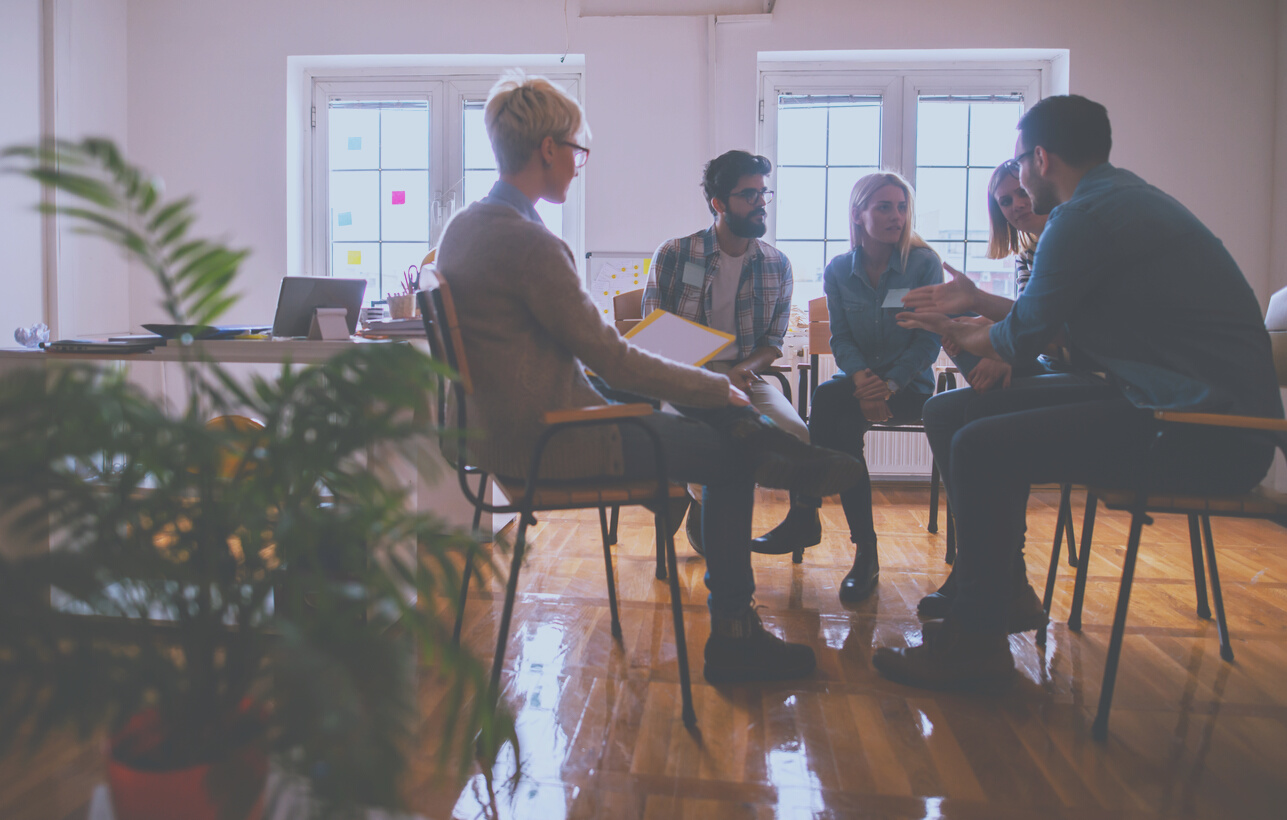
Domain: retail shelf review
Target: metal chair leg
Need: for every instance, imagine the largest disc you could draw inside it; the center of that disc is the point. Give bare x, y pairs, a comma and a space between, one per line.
950, 556
661, 552
511, 592
464, 576
933, 519
1099, 730
612, 527
607, 564
1226, 650
1048, 598
1199, 575
1079, 589
1065, 507
677, 614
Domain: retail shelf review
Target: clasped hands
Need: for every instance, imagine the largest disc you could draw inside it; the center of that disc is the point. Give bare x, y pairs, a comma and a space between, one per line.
872, 395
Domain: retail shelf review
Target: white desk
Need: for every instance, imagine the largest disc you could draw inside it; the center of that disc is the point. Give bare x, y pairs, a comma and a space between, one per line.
229, 351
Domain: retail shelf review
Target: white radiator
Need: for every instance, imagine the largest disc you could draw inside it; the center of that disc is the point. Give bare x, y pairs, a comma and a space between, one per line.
889, 455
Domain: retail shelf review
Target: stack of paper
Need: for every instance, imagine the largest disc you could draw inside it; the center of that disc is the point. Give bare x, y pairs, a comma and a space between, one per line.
395, 327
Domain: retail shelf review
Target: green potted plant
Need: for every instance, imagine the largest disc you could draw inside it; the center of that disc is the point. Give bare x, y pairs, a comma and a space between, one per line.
220, 594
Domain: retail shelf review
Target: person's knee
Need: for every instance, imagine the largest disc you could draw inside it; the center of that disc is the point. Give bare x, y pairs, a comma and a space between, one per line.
946, 411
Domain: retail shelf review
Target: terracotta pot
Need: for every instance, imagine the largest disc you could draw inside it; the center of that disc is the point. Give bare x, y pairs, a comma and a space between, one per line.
186, 793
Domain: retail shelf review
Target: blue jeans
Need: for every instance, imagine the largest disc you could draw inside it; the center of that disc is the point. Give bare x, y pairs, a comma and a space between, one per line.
698, 449
837, 422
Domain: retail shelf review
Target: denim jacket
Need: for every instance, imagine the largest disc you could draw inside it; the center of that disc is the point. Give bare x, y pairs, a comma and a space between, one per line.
865, 335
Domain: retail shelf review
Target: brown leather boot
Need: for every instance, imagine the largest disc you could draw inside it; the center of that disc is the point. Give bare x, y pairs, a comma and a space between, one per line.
740, 650
951, 657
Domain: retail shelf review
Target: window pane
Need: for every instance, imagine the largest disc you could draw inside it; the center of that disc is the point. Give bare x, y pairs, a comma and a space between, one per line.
977, 204
806, 267
801, 203
478, 150
941, 133
396, 258
355, 206
992, 131
478, 183
940, 203
952, 253
855, 135
840, 183
358, 260
404, 206
551, 215
837, 248
404, 136
802, 134
354, 137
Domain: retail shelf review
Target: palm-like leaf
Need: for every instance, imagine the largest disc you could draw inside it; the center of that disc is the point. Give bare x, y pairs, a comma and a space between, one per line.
173, 538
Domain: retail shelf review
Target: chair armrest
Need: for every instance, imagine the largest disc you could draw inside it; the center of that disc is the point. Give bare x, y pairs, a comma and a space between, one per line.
776, 368
600, 412
1222, 420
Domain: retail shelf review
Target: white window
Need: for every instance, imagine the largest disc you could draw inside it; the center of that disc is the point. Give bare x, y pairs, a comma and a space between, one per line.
389, 159
944, 130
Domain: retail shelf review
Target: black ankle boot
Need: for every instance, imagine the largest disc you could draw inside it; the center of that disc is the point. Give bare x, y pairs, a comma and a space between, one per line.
861, 580
740, 650
801, 528
938, 603
1026, 610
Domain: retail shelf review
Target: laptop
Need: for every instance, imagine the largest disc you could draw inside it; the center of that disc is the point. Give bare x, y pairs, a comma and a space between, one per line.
301, 296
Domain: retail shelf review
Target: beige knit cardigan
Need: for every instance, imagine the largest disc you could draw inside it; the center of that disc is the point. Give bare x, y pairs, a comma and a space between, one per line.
528, 326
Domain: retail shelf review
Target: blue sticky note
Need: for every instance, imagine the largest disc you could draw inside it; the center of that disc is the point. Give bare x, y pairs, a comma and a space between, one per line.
355, 143
346, 218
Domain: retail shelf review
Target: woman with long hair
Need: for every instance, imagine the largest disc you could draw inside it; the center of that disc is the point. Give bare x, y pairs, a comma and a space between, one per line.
883, 371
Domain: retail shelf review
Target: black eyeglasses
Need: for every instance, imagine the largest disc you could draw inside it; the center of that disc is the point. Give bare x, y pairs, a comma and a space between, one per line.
580, 154
750, 195
1012, 165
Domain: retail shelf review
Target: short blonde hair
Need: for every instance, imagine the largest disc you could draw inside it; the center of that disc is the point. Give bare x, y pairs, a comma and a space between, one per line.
522, 111
860, 197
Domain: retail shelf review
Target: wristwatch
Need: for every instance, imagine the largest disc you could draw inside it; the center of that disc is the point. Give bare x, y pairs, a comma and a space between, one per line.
891, 386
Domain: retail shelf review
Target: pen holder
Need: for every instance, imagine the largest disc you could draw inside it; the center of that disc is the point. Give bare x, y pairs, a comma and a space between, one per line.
402, 305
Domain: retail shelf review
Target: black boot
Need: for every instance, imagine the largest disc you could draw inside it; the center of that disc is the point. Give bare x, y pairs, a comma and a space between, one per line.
1026, 610
801, 528
740, 650
783, 462
938, 603
861, 580
694, 527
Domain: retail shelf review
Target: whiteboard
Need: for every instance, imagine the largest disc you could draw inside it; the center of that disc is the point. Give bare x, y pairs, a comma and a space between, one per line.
609, 274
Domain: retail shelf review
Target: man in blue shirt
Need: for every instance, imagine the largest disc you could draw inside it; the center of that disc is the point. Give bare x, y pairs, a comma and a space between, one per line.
1152, 312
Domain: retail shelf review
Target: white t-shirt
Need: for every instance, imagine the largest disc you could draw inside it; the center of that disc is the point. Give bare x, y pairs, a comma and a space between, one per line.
723, 312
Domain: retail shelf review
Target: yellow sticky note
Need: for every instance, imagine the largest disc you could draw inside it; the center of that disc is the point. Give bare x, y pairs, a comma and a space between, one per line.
647, 264
355, 257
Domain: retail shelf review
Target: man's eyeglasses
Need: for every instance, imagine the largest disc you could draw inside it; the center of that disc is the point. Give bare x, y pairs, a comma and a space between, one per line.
1012, 165
750, 195
580, 154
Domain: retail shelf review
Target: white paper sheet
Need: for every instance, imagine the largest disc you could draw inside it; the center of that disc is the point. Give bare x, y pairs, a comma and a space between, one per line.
677, 338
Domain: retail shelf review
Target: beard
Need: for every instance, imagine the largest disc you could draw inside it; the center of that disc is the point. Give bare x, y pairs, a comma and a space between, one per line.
1044, 198
745, 226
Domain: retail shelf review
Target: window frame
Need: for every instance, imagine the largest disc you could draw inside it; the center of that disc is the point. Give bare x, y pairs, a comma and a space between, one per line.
447, 88
899, 85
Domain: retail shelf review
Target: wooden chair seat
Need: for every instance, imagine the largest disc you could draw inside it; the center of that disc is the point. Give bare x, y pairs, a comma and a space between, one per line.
576, 495
1259, 503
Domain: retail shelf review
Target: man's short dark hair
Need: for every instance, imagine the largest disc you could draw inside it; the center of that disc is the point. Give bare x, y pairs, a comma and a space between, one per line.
1071, 126
722, 173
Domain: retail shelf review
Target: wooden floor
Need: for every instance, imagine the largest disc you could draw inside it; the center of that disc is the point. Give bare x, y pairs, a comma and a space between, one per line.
1191, 735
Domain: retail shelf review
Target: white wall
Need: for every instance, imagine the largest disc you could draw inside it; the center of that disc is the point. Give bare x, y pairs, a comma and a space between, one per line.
1189, 85
20, 272
91, 279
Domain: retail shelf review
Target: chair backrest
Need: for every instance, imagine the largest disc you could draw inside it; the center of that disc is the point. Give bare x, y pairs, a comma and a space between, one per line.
819, 327
627, 310
442, 327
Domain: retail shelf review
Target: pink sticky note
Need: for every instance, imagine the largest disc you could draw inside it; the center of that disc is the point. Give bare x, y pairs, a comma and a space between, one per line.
399, 197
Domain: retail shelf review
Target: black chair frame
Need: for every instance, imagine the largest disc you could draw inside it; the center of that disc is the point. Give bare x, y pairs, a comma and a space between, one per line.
444, 348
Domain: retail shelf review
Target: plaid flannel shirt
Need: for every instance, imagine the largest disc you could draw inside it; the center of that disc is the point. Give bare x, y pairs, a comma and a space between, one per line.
763, 304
